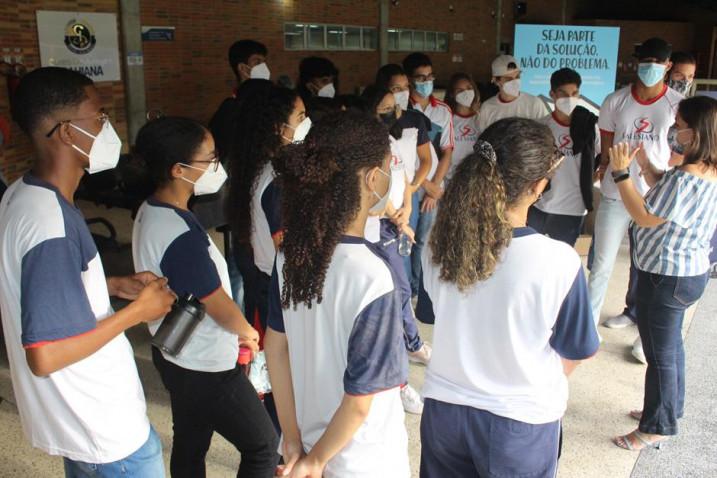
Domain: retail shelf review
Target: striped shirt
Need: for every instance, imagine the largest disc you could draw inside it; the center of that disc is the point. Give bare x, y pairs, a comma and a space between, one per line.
680, 246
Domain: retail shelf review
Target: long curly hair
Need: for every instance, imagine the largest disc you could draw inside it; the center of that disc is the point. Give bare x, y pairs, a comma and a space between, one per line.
256, 140
320, 181
471, 229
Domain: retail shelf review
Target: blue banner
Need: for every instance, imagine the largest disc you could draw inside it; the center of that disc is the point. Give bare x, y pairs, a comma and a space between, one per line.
591, 51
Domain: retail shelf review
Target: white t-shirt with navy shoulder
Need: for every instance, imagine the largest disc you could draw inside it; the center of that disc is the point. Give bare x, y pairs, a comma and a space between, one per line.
350, 343
171, 243
565, 196
265, 219
635, 121
498, 346
53, 287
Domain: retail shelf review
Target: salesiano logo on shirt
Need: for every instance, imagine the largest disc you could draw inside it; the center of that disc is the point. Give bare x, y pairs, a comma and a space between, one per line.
644, 131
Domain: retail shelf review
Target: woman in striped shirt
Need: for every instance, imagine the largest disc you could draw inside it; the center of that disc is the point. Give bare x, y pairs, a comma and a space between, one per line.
672, 228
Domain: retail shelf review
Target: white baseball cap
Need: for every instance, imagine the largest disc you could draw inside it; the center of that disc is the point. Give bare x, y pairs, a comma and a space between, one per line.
500, 65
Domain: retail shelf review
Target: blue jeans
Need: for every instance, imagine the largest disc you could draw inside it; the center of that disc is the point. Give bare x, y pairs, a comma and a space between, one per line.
557, 226
661, 304
144, 463
611, 224
459, 441
424, 222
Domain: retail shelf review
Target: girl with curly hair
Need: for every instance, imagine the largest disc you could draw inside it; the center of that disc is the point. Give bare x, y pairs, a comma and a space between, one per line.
334, 345
512, 315
463, 97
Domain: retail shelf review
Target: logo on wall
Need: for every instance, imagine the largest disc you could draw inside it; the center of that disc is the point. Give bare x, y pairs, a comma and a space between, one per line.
79, 37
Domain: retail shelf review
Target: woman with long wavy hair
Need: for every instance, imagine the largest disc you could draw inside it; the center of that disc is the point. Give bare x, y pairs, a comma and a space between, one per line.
334, 344
512, 315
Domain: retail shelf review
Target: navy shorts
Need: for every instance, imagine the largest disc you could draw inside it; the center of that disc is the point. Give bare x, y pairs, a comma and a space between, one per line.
461, 441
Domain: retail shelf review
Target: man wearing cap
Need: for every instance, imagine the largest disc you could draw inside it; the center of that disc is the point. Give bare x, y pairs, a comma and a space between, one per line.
640, 114
510, 101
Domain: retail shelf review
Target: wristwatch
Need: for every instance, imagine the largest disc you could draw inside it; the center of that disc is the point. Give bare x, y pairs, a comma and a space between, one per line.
620, 175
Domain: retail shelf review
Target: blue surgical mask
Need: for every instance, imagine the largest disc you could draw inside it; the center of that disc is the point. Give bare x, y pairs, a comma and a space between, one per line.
651, 73
424, 88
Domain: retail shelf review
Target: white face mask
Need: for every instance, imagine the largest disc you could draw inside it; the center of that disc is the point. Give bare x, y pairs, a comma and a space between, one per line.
566, 105
327, 91
260, 72
401, 98
105, 151
512, 87
300, 131
209, 182
379, 208
465, 98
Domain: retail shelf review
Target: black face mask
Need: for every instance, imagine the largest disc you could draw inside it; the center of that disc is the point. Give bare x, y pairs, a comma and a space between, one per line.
388, 118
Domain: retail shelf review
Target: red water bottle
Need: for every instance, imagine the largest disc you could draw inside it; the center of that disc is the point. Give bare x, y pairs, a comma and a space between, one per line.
244, 359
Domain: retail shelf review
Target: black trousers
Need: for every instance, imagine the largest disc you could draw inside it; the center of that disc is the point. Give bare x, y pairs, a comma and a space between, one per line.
225, 402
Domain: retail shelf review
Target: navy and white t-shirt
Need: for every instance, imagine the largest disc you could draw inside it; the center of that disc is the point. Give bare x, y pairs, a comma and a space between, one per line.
170, 242
498, 346
265, 219
351, 343
53, 287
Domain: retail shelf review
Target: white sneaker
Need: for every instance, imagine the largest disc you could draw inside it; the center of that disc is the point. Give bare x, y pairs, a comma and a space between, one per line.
618, 322
637, 351
422, 355
412, 401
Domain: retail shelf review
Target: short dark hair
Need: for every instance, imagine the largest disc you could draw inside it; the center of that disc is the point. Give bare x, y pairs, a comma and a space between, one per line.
683, 58
414, 61
564, 76
166, 141
386, 72
242, 50
44, 91
315, 67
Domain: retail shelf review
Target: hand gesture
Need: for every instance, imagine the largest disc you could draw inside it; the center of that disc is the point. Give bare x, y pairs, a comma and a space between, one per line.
621, 156
155, 300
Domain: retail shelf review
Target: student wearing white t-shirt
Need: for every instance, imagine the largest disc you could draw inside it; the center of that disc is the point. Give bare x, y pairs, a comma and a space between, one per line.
335, 347
562, 208
510, 101
73, 372
386, 231
463, 98
512, 316
207, 390
640, 114
419, 70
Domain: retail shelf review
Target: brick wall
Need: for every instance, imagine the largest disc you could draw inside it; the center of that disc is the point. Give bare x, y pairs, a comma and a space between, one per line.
190, 76
18, 29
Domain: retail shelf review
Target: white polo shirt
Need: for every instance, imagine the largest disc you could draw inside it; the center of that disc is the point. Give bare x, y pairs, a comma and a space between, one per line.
171, 243
498, 346
349, 343
465, 135
265, 219
564, 196
633, 120
53, 287
524, 106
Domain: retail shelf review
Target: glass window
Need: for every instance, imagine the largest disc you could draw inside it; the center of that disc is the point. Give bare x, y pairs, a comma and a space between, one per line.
393, 40
405, 40
370, 39
431, 41
419, 43
334, 37
441, 41
353, 38
316, 37
294, 36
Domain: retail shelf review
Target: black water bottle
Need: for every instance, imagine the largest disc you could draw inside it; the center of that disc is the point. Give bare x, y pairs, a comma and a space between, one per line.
178, 325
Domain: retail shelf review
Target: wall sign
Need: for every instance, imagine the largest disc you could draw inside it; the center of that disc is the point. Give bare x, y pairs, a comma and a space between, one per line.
83, 42
591, 51
157, 33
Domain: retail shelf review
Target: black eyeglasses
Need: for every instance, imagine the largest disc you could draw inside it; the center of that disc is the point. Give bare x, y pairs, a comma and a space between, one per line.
213, 163
102, 118
422, 78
